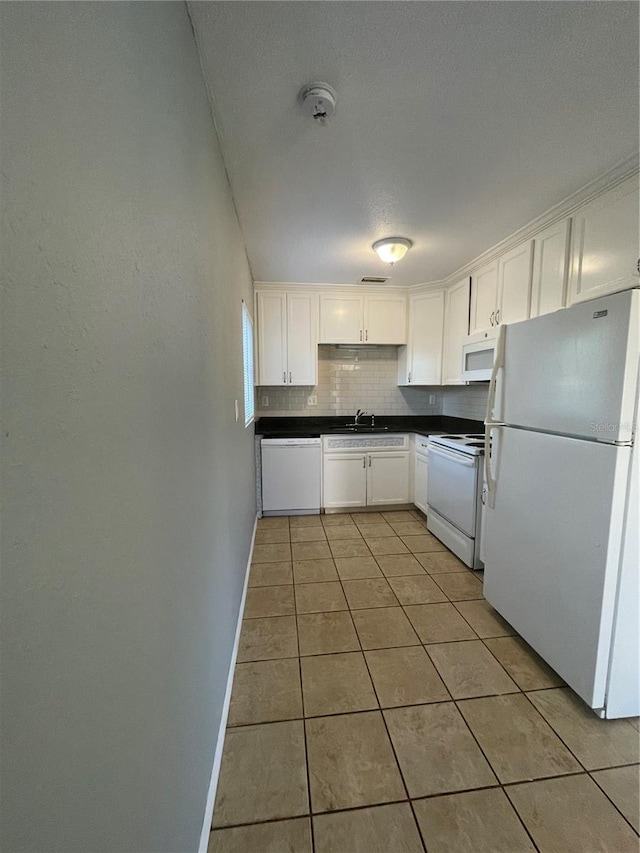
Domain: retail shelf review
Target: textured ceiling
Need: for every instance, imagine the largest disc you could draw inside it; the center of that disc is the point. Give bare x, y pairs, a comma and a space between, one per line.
456, 123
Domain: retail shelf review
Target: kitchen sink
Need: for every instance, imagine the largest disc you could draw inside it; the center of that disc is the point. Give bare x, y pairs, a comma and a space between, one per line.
361, 428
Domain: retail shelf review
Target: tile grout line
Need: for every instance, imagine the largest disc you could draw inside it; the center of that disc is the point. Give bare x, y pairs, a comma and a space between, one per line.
386, 728
618, 767
503, 786
306, 756
494, 771
393, 749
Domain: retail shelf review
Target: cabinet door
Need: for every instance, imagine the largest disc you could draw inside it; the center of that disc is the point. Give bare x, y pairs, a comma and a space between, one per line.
302, 339
272, 339
385, 319
423, 361
456, 329
550, 269
484, 298
604, 252
341, 319
388, 477
514, 284
421, 470
344, 479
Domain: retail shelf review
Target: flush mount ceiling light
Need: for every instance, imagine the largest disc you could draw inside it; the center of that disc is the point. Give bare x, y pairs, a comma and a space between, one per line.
319, 99
392, 249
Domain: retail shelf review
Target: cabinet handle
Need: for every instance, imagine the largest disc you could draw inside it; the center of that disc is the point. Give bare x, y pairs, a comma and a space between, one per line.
638, 265
369, 462
493, 314
409, 378
290, 379
366, 334
364, 461
361, 334
498, 317
284, 376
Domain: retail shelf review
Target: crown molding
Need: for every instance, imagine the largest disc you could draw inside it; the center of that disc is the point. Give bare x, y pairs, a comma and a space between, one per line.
324, 286
622, 171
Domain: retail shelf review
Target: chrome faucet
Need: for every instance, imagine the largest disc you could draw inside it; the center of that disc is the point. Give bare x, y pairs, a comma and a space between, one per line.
359, 414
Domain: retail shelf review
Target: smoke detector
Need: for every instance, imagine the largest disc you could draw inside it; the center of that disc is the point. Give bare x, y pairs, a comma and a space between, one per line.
319, 100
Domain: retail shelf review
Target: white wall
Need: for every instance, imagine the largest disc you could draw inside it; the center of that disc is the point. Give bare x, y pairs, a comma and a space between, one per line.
351, 379
128, 488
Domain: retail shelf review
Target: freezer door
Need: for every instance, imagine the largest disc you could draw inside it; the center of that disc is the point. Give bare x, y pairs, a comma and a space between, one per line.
552, 549
574, 372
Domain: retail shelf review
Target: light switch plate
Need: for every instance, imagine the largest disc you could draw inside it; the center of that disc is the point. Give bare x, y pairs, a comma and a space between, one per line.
265, 402
432, 399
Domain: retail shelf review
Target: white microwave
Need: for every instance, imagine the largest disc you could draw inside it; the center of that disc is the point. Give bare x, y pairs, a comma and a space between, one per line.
478, 357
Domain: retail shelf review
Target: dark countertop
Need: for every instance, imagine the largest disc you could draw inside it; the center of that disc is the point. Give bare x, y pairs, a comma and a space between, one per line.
312, 427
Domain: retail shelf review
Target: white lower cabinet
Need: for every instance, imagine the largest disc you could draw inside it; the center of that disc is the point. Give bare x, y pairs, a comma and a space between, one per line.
420, 473
344, 479
388, 477
359, 476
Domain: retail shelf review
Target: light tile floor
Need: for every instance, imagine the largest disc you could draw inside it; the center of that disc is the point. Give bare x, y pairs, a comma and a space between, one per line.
380, 705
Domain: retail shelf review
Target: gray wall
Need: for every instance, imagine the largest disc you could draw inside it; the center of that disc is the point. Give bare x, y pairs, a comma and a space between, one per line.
128, 488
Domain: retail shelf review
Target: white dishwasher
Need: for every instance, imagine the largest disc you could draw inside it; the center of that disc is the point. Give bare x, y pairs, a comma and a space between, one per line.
291, 476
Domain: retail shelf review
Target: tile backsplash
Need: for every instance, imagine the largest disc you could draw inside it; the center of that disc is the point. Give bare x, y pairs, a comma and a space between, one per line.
350, 379
465, 401
356, 378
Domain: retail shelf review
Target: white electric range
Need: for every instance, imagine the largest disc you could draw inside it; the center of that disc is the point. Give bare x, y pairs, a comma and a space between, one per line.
454, 490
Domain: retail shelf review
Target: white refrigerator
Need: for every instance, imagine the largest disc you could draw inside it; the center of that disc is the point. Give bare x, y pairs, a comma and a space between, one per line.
562, 508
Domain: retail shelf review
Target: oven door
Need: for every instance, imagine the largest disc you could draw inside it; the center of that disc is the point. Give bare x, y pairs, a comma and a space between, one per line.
452, 487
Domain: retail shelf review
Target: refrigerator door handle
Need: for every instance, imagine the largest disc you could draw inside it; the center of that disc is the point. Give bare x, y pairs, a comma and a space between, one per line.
490, 422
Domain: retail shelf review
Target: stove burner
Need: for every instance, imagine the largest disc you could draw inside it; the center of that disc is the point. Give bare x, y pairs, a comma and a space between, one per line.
470, 443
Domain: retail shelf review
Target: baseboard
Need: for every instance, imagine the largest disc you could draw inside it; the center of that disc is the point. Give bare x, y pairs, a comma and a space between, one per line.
215, 773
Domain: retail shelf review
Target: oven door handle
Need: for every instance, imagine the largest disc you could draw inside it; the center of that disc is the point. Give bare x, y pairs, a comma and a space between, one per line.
458, 458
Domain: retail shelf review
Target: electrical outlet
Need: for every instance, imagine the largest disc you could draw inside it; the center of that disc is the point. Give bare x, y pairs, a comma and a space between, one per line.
265, 402
312, 400
432, 399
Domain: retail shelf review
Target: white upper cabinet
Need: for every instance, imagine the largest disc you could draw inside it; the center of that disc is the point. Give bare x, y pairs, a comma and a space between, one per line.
604, 246
456, 329
484, 298
420, 362
341, 319
514, 284
364, 318
550, 269
385, 319
501, 290
287, 338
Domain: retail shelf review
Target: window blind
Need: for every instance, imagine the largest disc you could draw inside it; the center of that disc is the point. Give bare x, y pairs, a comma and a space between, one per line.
247, 360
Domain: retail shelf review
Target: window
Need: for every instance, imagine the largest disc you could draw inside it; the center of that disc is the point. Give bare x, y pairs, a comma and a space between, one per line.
247, 360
